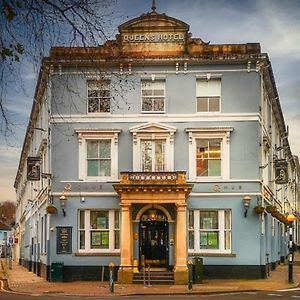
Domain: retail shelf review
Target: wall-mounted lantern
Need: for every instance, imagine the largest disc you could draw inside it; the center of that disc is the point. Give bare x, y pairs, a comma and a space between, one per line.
246, 202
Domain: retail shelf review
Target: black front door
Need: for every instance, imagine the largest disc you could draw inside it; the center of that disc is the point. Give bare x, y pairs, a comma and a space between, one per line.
154, 243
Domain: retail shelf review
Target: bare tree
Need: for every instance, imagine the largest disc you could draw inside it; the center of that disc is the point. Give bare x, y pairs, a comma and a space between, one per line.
28, 28
7, 213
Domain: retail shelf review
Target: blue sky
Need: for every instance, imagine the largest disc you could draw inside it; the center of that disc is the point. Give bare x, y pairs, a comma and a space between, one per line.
275, 24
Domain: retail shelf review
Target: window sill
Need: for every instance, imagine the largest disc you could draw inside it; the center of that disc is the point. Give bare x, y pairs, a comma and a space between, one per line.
212, 254
97, 254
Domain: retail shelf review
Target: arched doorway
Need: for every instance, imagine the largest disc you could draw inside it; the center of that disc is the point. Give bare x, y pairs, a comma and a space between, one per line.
153, 238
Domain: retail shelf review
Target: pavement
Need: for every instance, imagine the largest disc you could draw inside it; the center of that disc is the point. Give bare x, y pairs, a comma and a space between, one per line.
19, 280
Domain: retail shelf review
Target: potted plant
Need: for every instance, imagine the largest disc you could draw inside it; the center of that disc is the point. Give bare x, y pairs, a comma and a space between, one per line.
270, 209
51, 209
259, 209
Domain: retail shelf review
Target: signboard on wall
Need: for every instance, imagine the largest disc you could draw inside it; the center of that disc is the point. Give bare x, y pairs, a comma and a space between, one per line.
33, 168
281, 171
63, 240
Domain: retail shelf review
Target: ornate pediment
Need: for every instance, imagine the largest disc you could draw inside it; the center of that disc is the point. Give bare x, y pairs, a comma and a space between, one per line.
152, 128
153, 22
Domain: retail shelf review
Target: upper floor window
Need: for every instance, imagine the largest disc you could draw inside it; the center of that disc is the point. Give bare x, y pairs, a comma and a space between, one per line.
153, 148
99, 96
208, 94
209, 155
99, 158
153, 155
153, 95
98, 154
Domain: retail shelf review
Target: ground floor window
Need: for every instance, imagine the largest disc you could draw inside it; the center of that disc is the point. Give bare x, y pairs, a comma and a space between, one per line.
209, 231
99, 230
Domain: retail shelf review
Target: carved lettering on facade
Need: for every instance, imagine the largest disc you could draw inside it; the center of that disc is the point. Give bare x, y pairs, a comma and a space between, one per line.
154, 37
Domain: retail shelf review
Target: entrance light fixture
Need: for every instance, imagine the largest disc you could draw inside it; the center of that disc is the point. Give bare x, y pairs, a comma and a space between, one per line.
63, 202
246, 202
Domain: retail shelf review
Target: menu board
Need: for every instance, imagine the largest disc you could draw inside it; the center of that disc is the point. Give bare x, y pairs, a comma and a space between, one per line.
63, 240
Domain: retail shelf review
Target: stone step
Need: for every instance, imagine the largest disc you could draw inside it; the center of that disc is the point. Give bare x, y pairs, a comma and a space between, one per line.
156, 277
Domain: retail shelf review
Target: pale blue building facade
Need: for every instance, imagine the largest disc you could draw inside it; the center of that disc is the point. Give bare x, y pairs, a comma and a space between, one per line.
163, 146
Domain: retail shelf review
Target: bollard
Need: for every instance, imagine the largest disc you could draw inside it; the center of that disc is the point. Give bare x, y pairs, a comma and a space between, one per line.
111, 277
190, 270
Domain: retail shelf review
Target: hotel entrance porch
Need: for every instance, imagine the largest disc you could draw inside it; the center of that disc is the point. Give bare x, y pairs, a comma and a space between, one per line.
153, 190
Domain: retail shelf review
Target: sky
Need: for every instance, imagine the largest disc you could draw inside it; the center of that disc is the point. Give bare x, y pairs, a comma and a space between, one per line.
275, 24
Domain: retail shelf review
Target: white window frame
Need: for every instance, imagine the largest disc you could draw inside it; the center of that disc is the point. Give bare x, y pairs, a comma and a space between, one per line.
83, 137
221, 230
87, 229
153, 131
95, 81
221, 133
153, 79
208, 78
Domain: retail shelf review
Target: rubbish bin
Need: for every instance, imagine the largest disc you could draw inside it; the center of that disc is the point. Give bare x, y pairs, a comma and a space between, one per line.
56, 271
198, 269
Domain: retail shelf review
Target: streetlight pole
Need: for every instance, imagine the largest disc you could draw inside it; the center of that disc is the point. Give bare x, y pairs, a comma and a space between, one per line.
291, 218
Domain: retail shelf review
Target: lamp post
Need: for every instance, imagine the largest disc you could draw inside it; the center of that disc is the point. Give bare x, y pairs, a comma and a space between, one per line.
291, 218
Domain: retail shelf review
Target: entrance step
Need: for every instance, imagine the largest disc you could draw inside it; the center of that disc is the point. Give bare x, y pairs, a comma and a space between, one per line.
157, 276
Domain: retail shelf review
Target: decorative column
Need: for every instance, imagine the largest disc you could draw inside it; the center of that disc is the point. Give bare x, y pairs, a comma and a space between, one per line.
181, 269
125, 274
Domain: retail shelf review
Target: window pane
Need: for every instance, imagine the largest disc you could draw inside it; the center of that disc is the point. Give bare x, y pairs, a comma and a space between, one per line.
147, 104
146, 156
214, 149
227, 240
209, 240
191, 239
209, 220
159, 156
202, 104
99, 219
214, 167
202, 148
191, 219
227, 219
117, 219
214, 104
117, 239
105, 167
158, 104
99, 239
105, 149
158, 93
81, 219
81, 240
104, 105
202, 167
92, 149
93, 105
93, 166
